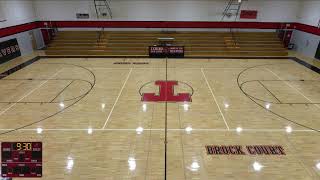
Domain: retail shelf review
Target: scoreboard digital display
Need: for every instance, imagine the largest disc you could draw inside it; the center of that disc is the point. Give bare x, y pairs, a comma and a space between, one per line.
21, 159
166, 51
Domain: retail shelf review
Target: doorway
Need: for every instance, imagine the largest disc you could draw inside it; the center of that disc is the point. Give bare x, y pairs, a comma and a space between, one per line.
318, 52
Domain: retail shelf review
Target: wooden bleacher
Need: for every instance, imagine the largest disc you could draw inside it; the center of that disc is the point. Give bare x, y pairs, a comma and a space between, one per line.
197, 44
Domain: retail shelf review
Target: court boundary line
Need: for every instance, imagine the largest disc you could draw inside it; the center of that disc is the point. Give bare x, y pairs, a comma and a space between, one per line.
197, 68
279, 103
291, 86
36, 58
215, 100
162, 129
19, 67
282, 117
39, 57
124, 84
147, 57
30, 92
58, 112
181, 139
44, 102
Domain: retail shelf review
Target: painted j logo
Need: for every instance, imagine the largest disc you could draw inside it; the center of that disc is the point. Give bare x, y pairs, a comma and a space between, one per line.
166, 93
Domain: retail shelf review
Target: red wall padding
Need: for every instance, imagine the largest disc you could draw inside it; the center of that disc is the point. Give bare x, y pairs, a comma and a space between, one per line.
166, 24
18, 29
307, 28
156, 24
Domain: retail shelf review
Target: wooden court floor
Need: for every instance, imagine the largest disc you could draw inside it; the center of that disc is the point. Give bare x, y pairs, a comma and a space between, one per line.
89, 115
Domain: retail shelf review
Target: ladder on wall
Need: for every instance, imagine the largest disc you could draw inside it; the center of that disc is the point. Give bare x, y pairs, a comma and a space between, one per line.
103, 10
232, 10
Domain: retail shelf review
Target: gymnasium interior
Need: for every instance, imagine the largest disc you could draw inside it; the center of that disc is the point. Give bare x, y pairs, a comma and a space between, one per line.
160, 89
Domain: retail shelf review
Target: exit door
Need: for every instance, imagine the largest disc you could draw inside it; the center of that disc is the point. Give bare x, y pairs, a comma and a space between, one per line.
318, 52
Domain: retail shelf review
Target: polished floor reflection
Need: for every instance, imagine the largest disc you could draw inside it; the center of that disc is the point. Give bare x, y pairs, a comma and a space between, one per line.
89, 115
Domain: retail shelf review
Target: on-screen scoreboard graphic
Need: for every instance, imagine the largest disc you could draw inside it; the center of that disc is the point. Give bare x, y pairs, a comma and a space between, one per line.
21, 159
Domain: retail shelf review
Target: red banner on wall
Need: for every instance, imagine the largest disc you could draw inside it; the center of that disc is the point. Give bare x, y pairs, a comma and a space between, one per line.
166, 51
248, 14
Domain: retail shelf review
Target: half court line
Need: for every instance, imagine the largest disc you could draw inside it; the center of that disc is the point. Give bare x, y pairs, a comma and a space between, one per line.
293, 87
124, 84
214, 97
2, 112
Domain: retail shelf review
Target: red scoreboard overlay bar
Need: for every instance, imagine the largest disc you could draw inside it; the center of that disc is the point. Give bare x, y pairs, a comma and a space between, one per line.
21, 159
248, 14
166, 51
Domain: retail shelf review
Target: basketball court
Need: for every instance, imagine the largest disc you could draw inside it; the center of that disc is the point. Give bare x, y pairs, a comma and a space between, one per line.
94, 123
160, 90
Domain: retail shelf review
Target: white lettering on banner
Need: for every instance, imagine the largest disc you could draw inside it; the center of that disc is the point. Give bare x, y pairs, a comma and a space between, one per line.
4, 52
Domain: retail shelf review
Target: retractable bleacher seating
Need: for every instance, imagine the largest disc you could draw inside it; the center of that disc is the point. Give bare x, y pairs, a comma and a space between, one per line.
197, 44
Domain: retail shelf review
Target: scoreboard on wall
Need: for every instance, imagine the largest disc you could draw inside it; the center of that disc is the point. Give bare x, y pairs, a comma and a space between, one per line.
21, 159
166, 51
